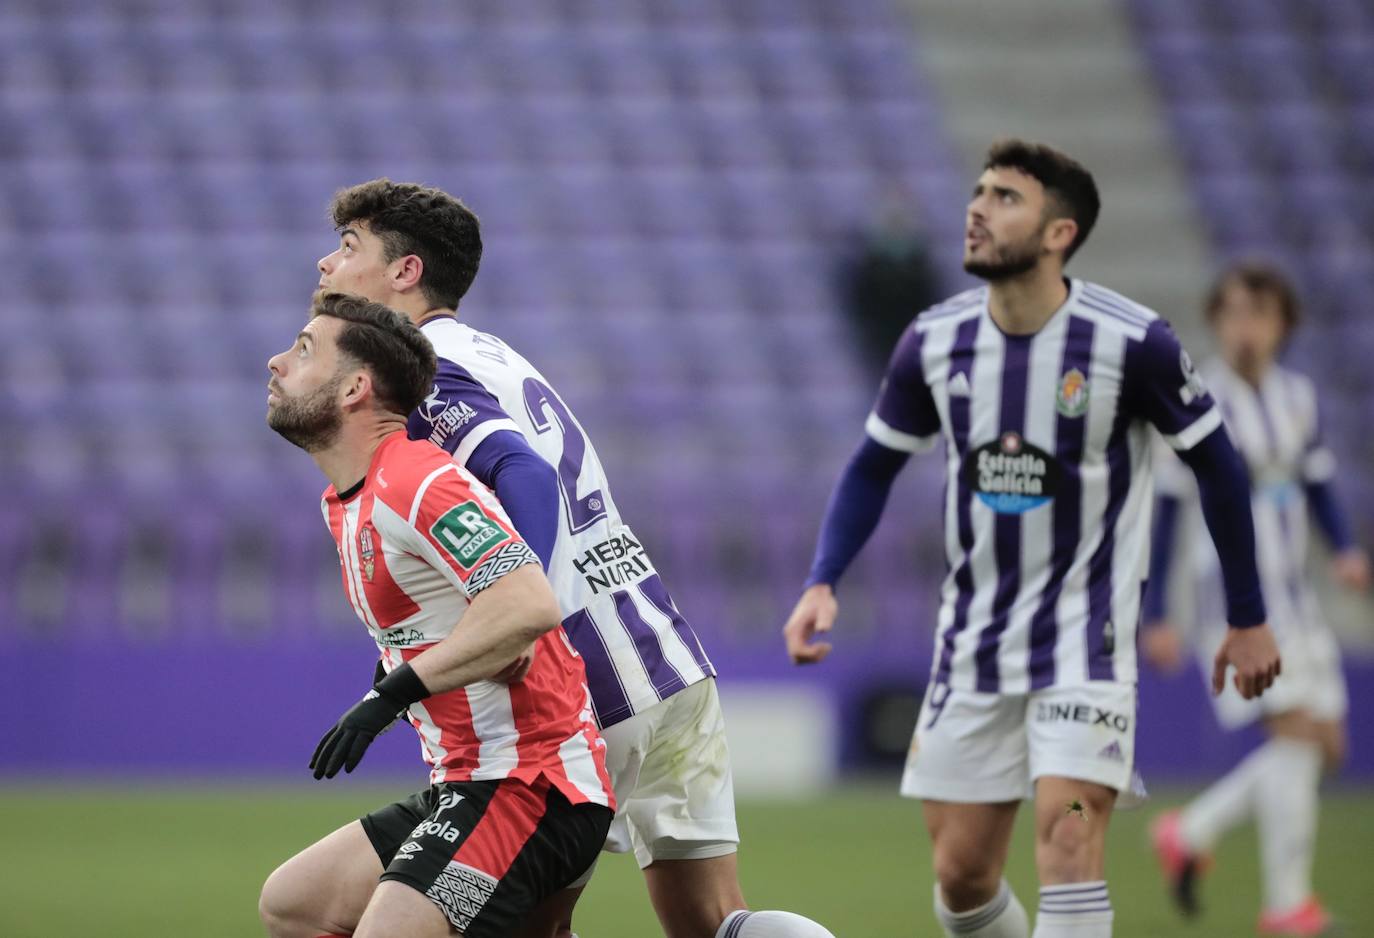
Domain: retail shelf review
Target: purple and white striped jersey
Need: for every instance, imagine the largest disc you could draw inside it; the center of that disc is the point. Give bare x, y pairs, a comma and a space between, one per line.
1048, 488
637, 647
1277, 430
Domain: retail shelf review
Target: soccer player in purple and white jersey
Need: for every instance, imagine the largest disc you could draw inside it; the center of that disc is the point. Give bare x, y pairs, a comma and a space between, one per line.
417, 249
1043, 390
1271, 413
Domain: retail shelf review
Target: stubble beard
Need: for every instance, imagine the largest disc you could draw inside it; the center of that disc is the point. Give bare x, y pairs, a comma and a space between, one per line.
311, 422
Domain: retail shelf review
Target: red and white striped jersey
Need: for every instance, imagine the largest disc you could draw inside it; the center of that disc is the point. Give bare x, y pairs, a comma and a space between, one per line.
417, 541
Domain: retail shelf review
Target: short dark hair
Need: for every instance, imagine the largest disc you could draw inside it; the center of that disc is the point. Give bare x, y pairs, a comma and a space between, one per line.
1069, 188
419, 220
384, 342
1258, 277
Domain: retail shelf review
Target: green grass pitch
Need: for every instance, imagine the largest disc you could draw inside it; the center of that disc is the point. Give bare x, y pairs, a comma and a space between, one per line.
168, 862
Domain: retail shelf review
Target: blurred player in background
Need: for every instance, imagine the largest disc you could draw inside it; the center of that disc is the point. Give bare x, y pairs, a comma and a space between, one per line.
1043, 390
417, 250
520, 800
1271, 413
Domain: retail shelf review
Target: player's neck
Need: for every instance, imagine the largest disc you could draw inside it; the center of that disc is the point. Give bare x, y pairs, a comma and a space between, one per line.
1022, 305
424, 317
414, 306
1252, 373
345, 461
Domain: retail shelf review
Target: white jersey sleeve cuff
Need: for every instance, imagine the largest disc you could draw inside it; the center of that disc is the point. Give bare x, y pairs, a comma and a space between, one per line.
479, 433
1195, 432
879, 431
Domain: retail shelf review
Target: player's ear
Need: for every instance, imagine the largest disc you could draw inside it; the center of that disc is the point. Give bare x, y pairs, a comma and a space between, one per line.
1059, 234
406, 272
356, 389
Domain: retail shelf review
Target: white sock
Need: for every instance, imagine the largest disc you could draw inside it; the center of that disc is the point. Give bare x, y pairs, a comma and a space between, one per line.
1074, 910
1002, 917
1229, 801
1288, 822
745, 924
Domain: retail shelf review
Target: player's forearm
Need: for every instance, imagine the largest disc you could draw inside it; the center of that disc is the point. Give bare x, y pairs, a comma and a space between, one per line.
1162, 537
499, 626
1224, 486
854, 510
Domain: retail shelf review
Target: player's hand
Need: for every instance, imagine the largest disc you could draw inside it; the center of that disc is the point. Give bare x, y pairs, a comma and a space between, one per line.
1162, 646
814, 615
1255, 656
1351, 569
517, 669
343, 746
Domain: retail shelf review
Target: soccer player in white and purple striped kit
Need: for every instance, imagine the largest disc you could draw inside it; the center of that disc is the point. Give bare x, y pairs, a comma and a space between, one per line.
652, 688
1043, 390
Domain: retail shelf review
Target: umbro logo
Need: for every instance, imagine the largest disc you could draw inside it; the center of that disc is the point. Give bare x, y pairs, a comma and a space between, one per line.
958, 385
1112, 751
408, 851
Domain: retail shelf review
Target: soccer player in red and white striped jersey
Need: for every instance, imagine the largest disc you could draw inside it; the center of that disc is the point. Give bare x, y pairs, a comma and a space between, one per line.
467, 626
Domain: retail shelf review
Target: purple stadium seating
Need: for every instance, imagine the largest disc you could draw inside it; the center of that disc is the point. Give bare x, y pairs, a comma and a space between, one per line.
1270, 102
663, 189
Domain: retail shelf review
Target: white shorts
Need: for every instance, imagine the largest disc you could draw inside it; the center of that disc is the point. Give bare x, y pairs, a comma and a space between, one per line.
972, 747
1311, 680
670, 768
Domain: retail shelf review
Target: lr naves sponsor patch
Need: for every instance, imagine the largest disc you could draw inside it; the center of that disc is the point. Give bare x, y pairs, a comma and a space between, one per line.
1010, 475
467, 533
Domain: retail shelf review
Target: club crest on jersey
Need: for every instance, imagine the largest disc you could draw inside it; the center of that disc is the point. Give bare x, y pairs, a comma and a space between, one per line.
1072, 399
1010, 475
1193, 388
366, 553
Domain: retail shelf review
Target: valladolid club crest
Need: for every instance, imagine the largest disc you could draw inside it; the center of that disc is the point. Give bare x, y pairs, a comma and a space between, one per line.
1072, 399
366, 553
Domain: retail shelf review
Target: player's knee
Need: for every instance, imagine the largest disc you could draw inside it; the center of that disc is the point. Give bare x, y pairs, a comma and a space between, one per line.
281, 908
1068, 850
967, 880
274, 908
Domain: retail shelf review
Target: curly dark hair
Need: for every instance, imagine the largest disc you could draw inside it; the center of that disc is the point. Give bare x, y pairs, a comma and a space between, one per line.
384, 342
1258, 277
419, 220
1069, 188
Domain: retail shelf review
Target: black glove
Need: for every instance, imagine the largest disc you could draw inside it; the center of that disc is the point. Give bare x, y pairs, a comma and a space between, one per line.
343, 746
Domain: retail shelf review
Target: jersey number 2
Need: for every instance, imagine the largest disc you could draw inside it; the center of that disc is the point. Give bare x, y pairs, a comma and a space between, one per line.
587, 510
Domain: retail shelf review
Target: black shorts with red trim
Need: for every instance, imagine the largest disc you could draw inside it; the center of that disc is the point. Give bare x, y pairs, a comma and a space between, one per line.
487, 853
